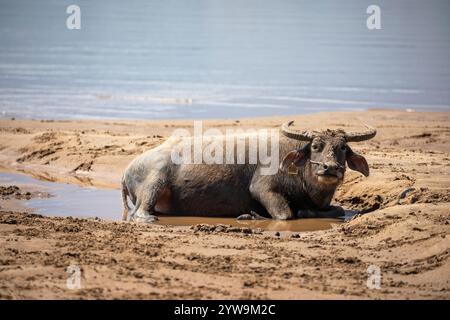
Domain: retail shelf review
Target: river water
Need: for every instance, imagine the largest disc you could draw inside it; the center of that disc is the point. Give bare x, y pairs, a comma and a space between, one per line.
142, 59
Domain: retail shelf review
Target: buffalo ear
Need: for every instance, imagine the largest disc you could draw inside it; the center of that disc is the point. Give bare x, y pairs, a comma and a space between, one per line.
357, 162
297, 157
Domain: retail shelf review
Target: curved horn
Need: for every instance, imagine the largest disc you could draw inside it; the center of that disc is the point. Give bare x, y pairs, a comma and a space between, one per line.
294, 134
361, 136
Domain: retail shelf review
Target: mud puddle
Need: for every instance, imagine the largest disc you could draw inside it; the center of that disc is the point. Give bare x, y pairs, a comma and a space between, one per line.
91, 202
269, 225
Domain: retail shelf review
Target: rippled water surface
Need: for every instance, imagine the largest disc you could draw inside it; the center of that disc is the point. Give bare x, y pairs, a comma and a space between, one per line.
214, 58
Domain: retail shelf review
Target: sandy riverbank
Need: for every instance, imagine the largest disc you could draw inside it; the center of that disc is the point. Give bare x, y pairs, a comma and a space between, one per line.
407, 238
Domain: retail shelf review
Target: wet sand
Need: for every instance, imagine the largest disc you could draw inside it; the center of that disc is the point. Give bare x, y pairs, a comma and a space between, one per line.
405, 231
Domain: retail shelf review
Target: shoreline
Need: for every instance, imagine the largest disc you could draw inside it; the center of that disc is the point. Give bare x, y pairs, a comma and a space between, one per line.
403, 108
405, 231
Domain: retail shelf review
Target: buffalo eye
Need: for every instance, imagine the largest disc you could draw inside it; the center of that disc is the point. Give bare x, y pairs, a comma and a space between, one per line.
316, 147
343, 147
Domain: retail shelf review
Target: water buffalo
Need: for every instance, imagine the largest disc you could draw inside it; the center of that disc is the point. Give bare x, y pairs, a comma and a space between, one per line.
312, 165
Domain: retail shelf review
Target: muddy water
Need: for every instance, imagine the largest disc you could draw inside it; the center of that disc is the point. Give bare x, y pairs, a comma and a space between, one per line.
90, 202
270, 225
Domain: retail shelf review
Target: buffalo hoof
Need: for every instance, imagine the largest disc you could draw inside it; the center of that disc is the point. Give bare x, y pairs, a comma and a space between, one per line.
146, 219
251, 216
257, 216
245, 217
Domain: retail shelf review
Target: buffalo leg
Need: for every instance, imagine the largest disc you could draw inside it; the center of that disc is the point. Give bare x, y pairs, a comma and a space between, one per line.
142, 216
147, 197
275, 203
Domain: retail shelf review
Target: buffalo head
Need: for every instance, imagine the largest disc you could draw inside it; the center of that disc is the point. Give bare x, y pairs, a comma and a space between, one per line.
323, 158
